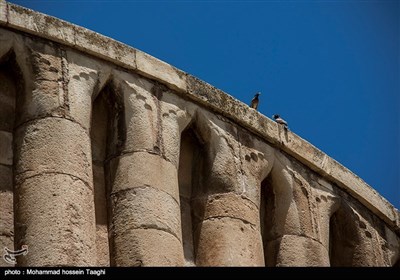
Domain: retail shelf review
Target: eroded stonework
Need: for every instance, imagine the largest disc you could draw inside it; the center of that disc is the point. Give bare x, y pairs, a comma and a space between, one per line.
110, 157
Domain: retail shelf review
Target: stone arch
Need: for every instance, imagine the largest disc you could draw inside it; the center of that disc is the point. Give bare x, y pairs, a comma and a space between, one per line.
225, 200
354, 235
343, 237
275, 201
12, 87
189, 175
107, 138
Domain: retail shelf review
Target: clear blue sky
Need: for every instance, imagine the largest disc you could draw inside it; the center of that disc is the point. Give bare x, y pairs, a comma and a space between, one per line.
330, 68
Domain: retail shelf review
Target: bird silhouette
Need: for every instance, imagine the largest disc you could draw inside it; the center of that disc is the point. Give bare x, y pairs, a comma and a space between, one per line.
279, 120
255, 101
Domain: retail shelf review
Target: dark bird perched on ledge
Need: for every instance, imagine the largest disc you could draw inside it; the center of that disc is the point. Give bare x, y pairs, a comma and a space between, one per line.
279, 120
255, 101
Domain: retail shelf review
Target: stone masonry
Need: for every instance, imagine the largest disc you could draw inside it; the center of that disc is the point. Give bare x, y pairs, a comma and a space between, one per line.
110, 157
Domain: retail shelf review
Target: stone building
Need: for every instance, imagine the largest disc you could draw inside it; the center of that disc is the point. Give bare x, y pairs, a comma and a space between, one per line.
109, 156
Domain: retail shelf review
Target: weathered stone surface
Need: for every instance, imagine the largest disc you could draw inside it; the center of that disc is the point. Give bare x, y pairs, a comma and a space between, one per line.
315, 205
293, 250
53, 145
6, 38
359, 238
55, 218
102, 245
325, 185
6, 152
101, 213
46, 99
227, 205
37, 23
7, 101
3, 12
391, 247
228, 242
222, 164
205, 94
257, 157
282, 214
6, 210
103, 47
145, 207
6, 178
7, 214
173, 121
147, 247
244, 182
6, 242
153, 68
187, 232
46, 63
141, 114
175, 107
366, 252
86, 77
139, 169
208, 94
45, 86
361, 191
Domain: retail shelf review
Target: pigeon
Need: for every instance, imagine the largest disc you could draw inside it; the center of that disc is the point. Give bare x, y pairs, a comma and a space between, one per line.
255, 101
279, 120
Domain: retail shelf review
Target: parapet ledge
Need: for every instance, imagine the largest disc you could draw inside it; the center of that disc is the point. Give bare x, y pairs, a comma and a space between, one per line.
22, 19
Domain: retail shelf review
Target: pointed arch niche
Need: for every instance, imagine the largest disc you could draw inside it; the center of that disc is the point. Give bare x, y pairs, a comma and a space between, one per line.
106, 132
12, 88
275, 200
190, 170
267, 217
352, 238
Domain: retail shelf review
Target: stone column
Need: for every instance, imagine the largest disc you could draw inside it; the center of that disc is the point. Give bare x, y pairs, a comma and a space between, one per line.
145, 225
90, 105
54, 194
229, 234
297, 218
227, 230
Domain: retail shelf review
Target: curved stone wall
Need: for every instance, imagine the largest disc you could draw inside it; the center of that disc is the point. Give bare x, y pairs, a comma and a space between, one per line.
109, 156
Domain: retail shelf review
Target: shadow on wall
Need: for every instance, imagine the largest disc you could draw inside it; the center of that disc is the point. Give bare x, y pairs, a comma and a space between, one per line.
343, 238
267, 203
190, 170
12, 88
354, 234
275, 201
220, 228
107, 138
